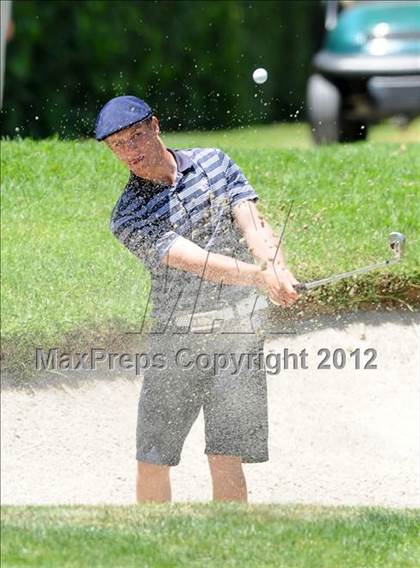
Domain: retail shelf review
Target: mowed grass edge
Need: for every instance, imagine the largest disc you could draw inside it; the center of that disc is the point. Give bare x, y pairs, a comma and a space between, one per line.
214, 534
67, 282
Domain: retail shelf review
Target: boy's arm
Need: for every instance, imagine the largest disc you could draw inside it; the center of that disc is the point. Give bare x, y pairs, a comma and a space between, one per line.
260, 238
186, 255
264, 246
261, 241
154, 244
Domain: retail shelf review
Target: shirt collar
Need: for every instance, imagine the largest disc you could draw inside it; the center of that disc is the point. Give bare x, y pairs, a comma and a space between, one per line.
183, 163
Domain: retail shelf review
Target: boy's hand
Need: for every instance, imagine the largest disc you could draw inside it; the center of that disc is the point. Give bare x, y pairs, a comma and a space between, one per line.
277, 283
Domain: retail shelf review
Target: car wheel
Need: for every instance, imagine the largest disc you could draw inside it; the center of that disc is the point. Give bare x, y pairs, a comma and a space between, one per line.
323, 101
325, 113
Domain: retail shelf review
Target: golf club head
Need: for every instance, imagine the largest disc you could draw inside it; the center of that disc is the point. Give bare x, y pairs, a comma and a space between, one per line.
397, 244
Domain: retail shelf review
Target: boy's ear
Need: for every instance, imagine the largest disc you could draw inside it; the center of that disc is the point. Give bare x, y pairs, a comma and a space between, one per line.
155, 124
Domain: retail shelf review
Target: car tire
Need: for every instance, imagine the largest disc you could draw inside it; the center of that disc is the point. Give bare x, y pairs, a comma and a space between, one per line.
323, 101
325, 114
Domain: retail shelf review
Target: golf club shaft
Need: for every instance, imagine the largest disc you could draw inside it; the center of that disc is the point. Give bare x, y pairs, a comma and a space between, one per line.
306, 286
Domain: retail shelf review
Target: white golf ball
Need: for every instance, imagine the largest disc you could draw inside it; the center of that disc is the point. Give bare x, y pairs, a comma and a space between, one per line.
260, 75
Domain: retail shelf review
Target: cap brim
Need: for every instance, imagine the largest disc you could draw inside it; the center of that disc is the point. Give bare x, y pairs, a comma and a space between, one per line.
124, 127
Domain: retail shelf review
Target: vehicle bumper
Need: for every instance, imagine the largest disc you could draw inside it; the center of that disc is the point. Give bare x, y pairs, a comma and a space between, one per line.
399, 94
362, 65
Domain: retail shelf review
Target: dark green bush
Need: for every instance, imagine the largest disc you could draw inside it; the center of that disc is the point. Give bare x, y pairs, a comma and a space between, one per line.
192, 60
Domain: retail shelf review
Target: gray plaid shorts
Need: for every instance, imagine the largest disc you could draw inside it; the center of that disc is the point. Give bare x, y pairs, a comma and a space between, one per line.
221, 372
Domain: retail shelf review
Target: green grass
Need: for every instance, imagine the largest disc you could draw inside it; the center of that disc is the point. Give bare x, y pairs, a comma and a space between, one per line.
66, 281
275, 136
211, 535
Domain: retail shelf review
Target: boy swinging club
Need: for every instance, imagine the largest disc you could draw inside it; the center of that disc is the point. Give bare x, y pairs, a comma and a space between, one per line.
190, 216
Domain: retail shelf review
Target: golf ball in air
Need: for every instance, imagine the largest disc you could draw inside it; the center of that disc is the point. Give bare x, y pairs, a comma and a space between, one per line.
260, 76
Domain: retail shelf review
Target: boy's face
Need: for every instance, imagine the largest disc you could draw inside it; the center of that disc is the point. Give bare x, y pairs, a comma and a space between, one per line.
138, 147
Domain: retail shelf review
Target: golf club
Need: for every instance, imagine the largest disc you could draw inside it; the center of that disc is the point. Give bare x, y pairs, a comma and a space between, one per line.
396, 242
213, 319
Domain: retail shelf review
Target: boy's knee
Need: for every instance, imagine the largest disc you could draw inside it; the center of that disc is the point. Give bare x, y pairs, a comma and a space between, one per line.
224, 463
145, 468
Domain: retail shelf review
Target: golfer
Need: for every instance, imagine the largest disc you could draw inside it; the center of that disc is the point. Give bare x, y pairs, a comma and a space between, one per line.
190, 216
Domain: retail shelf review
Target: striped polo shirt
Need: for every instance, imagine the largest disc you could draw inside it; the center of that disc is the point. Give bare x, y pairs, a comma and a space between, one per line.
149, 217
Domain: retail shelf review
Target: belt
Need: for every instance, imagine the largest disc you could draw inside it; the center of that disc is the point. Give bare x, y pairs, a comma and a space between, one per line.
214, 319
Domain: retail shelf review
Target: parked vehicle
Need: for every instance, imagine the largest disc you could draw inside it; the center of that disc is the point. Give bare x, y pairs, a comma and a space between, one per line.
367, 70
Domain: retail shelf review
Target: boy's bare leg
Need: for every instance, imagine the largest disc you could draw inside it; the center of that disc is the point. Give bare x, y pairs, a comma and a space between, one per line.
228, 478
153, 483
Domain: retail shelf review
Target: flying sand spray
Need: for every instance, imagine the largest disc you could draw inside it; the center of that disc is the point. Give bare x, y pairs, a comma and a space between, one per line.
397, 242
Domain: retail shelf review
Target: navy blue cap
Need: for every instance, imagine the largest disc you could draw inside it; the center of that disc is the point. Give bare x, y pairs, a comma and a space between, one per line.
120, 113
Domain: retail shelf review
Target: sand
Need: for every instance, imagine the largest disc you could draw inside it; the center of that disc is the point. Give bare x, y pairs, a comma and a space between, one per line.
337, 436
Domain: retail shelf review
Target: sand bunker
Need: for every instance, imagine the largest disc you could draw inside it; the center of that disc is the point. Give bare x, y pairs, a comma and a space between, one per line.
337, 436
